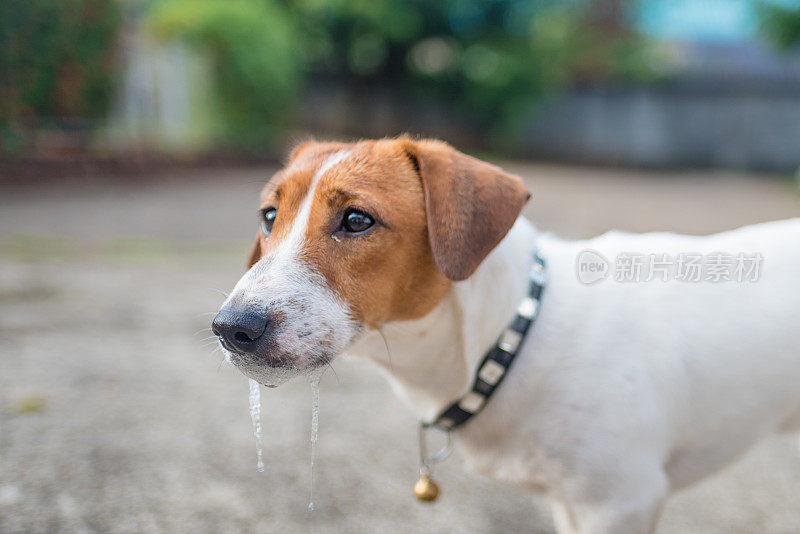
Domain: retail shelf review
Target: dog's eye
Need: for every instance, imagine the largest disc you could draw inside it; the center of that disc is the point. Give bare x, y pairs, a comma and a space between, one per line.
268, 219
356, 221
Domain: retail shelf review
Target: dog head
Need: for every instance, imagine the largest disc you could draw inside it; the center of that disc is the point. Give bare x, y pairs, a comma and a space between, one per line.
353, 236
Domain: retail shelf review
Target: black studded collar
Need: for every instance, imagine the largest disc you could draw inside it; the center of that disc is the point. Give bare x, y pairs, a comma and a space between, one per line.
498, 359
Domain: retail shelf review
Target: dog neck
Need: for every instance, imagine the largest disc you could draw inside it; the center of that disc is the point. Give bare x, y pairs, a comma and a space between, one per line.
431, 361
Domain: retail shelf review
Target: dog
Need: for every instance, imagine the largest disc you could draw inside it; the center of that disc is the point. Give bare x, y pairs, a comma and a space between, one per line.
620, 394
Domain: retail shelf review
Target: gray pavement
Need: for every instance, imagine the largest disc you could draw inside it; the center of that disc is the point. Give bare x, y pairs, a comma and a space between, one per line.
116, 414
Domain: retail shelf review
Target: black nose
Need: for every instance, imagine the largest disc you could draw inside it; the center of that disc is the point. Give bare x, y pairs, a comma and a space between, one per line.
240, 329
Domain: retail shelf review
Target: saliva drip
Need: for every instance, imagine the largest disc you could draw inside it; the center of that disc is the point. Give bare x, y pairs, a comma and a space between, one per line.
314, 381
255, 416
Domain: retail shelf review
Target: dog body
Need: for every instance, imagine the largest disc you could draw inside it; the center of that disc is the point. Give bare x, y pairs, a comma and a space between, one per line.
620, 393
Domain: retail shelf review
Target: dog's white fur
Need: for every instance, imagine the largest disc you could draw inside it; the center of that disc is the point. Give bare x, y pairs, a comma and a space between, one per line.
281, 282
621, 392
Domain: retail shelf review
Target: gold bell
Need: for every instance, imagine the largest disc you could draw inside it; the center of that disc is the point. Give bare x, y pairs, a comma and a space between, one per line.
426, 489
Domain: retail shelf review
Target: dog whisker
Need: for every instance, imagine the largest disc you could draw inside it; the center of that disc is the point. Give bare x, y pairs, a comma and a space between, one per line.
329, 363
388, 351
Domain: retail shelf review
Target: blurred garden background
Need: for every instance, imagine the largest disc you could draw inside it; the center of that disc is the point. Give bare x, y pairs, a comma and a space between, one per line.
664, 83
135, 137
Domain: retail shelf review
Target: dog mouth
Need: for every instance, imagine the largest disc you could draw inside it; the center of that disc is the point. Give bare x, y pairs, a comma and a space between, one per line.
272, 370
244, 358
280, 350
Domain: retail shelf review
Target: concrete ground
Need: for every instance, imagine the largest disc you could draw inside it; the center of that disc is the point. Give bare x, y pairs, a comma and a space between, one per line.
116, 414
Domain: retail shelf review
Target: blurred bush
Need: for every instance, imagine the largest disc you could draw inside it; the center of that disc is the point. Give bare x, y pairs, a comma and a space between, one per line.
780, 24
257, 63
489, 61
56, 65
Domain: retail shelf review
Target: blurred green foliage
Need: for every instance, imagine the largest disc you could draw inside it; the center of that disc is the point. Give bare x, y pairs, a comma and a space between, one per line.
56, 61
780, 24
487, 61
257, 62
490, 60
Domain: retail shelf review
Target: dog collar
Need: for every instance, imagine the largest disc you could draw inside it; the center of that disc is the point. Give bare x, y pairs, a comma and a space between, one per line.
490, 373
499, 358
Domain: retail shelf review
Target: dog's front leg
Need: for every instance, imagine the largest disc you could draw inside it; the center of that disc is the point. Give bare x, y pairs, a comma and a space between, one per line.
626, 509
606, 518
563, 518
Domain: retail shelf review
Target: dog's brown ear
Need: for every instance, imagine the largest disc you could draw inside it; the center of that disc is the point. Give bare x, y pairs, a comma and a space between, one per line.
255, 252
470, 205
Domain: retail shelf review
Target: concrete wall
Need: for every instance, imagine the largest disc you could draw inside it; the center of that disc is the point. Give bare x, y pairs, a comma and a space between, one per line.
671, 127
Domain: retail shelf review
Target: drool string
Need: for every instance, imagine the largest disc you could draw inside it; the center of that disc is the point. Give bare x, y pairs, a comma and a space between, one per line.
255, 416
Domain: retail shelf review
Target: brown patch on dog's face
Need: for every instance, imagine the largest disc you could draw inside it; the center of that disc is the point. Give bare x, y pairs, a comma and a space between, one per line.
436, 212
385, 273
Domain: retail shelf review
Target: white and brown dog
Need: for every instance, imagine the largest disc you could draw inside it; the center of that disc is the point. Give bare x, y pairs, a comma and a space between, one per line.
620, 394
